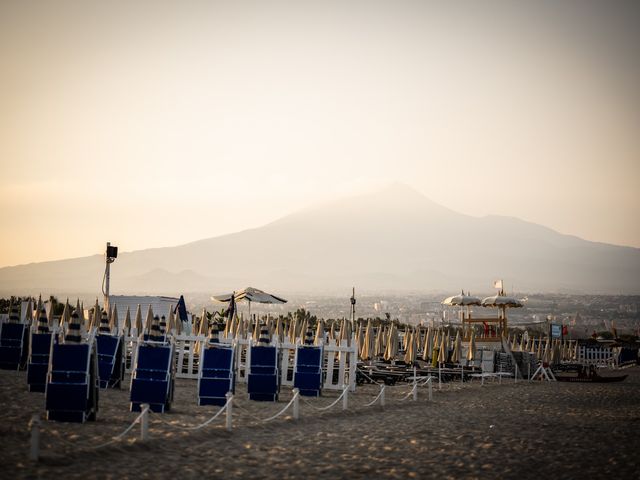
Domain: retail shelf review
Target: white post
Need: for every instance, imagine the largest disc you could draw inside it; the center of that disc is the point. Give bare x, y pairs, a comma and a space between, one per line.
461, 374
415, 391
229, 424
345, 398
34, 426
439, 376
144, 422
296, 403
500, 375
515, 377
430, 382
382, 402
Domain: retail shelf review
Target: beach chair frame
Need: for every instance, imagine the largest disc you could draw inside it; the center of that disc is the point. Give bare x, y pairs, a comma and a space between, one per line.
154, 386
14, 345
215, 383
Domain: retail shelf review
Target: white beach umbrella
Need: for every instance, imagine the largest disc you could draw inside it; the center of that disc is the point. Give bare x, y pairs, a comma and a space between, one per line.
392, 343
138, 320
319, 338
410, 352
126, 325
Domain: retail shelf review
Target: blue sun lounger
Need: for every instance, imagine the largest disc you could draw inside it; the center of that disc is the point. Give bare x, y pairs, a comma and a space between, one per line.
216, 376
14, 345
307, 375
110, 360
38, 364
72, 383
152, 378
263, 382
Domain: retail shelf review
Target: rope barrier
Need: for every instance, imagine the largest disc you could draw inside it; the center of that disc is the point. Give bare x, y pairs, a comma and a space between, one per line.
113, 440
295, 396
376, 399
320, 409
203, 424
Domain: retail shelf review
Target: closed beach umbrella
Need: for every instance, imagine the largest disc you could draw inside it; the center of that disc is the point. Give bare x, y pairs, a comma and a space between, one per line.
546, 356
114, 321
410, 352
455, 356
332, 331
539, 351
126, 326
43, 323
378, 350
138, 320
204, 326
442, 354
426, 349
66, 314
95, 321
73, 329
367, 345
163, 325
149, 320
319, 339
80, 311
392, 343
471, 353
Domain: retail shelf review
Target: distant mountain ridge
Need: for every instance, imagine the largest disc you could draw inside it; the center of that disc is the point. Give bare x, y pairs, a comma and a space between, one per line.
395, 240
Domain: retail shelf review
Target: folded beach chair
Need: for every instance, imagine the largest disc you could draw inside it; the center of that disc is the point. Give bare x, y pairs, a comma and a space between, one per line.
110, 360
153, 377
307, 375
72, 383
263, 381
38, 363
14, 345
216, 375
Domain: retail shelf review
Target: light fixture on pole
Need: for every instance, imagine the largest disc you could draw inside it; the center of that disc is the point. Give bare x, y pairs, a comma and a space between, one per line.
110, 255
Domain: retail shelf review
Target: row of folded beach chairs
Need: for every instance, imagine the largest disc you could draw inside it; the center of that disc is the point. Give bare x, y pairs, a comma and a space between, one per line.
70, 373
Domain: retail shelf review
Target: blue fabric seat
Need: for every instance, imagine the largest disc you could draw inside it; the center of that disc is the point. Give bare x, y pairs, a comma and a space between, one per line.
153, 377
307, 376
263, 382
14, 345
110, 360
38, 361
216, 376
71, 393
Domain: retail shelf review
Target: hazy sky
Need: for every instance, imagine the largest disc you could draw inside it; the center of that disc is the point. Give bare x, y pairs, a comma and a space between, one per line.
158, 123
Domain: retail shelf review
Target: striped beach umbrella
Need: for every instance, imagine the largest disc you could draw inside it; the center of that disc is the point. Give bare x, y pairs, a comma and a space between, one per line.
308, 336
263, 339
66, 315
104, 324
163, 325
43, 323
155, 334
213, 334
14, 313
73, 329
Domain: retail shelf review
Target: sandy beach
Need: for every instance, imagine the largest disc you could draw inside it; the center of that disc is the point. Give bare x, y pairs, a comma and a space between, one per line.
510, 430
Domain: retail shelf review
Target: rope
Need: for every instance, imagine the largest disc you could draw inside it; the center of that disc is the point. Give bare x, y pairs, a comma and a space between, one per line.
320, 409
113, 440
376, 399
283, 410
203, 424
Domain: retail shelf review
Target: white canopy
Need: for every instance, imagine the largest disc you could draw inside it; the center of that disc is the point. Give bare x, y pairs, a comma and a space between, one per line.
501, 301
251, 294
462, 299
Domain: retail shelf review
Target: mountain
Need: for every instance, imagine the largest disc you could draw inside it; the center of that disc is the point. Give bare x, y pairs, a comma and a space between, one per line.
392, 240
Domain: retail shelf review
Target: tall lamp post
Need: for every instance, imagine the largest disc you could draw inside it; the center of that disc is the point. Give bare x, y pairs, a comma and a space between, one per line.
110, 255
